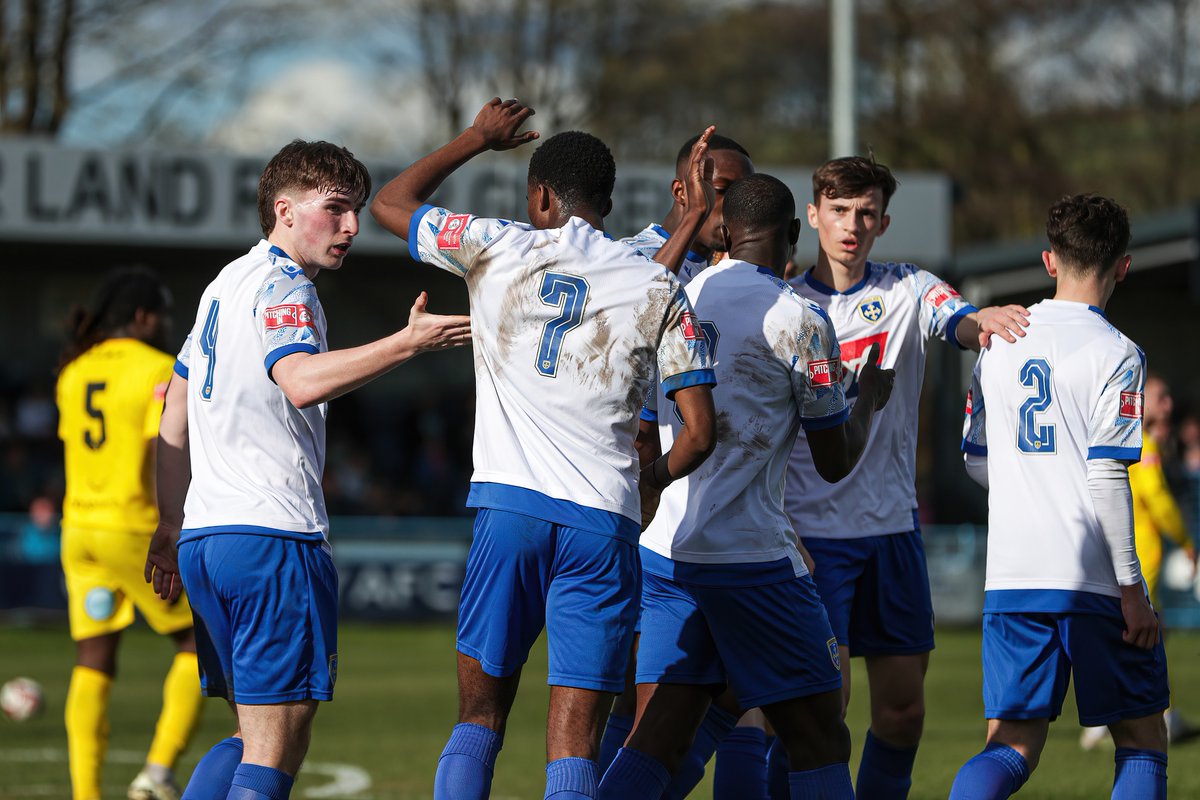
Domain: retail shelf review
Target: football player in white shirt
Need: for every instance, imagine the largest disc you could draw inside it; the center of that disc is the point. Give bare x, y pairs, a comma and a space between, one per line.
241, 451
1053, 423
569, 322
862, 532
722, 573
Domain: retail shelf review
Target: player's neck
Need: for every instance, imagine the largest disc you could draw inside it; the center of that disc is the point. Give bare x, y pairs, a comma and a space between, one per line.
836, 276
1091, 291
285, 244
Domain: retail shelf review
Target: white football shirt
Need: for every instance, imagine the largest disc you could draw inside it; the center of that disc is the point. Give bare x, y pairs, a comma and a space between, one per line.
256, 459
900, 307
1068, 391
566, 326
776, 360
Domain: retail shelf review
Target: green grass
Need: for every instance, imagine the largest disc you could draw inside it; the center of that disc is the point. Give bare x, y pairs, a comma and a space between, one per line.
396, 703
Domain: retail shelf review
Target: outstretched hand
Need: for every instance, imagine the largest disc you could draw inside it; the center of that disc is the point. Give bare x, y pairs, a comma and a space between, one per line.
435, 331
497, 122
162, 564
1007, 322
875, 384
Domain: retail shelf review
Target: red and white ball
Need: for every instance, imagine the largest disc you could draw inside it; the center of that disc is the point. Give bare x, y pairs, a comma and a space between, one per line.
21, 698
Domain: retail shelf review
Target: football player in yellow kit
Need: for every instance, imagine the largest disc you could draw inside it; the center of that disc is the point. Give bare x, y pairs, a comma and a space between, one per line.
110, 393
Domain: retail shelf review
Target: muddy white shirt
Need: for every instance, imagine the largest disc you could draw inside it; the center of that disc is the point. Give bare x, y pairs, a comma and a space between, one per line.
567, 324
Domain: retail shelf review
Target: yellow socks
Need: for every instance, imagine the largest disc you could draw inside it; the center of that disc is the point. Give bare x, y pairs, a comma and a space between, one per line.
87, 729
180, 711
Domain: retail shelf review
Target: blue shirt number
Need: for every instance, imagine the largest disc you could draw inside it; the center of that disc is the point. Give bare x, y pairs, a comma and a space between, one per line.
569, 294
208, 346
1032, 437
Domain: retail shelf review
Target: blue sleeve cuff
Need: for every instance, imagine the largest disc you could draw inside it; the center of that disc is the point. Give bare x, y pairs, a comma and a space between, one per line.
649, 415
180, 369
972, 449
952, 325
414, 230
696, 377
826, 422
287, 350
1115, 453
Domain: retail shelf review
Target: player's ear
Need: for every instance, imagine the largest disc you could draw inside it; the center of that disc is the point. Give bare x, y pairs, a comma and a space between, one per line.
283, 210
607, 208
794, 232
726, 239
812, 215
1123, 267
1048, 262
677, 192
884, 221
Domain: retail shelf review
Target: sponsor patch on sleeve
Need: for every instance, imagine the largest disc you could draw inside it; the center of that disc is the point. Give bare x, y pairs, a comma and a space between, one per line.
1131, 405
289, 315
689, 326
939, 294
824, 373
450, 236
970, 401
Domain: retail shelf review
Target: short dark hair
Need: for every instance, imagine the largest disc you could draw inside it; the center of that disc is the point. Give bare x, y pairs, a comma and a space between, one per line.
121, 294
715, 142
852, 176
301, 166
578, 167
1088, 233
758, 202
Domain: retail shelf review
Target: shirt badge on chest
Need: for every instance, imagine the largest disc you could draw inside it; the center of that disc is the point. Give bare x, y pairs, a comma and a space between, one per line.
871, 309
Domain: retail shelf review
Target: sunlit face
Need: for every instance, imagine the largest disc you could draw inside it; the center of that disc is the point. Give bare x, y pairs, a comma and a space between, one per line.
847, 227
319, 226
728, 166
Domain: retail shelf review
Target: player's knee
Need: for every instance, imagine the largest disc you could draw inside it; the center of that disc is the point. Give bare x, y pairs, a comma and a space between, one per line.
899, 724
821, 743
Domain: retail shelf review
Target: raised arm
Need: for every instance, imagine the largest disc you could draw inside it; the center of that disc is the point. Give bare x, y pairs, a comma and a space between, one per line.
312, 378
699, 198
495, 128
836, 450
173, 475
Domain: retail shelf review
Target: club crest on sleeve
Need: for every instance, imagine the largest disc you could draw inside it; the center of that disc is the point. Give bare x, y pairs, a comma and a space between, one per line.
288, 315
825, 372
939, 293
450, 236
871, 309
689, 326
1131, 405
834, 656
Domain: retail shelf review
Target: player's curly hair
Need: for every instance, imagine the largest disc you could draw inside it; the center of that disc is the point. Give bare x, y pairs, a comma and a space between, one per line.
301, 166
715, 142
853, 176
578, 167
121, 294
758, 202
1089, 233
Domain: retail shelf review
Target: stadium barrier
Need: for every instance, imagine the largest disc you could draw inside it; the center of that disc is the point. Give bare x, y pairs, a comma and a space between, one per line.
410, 569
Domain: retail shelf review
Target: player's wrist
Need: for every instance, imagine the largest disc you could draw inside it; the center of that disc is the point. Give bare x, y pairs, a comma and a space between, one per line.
656, 474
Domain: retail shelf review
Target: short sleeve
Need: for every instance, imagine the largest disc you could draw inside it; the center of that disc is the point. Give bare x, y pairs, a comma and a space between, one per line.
184, 359
816, 374
683, 356
941, 307
288, 315
974, 440
1115, 428
157, 390
450, 241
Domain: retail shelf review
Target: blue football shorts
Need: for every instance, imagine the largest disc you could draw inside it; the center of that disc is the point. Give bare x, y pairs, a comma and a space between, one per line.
265, 609
1029, 658
769, 643
525, 573
876, 591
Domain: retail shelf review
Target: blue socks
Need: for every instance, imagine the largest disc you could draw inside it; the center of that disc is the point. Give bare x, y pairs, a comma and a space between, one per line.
255, 782
615, 733
715, 726
998, 772
211, 778
741, 767
1141, 774
831, 782
571, 779
885, 772
465, 769
633, 776
778, 787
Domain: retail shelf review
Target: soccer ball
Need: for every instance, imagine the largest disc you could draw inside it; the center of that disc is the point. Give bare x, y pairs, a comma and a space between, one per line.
21, 698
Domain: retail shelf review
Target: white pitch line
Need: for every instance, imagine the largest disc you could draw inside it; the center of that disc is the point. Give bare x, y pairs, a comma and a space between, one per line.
346, 781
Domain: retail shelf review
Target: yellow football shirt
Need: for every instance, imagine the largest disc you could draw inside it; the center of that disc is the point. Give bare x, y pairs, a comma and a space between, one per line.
1155, 513
110, 401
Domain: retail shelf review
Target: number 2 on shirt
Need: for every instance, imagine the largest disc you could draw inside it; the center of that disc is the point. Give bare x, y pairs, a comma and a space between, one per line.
1032, 437
569, 294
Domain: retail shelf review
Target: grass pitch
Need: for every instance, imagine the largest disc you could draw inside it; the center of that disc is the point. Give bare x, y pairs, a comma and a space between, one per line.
396, 703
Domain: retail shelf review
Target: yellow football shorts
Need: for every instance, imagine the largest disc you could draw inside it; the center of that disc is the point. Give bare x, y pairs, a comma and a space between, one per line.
104, 572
